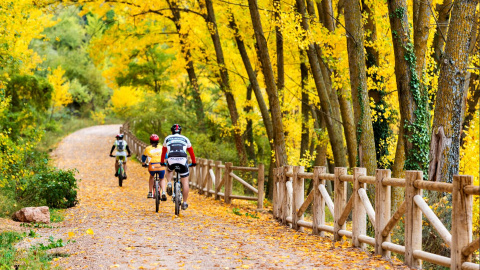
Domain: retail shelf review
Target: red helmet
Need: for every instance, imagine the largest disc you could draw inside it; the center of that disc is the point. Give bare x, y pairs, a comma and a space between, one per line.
154, 138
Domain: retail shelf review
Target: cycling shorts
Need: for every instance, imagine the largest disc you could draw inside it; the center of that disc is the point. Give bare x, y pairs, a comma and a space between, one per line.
178, 164
161, 173
122, 156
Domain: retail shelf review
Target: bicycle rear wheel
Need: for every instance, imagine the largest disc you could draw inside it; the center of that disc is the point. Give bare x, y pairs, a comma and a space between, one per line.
120, 176
157, 196
178, 198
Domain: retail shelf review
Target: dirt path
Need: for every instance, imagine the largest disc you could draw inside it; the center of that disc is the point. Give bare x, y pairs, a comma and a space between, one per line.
117, 227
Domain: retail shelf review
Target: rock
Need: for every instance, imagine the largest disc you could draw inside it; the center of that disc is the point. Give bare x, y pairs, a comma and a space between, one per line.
33, 214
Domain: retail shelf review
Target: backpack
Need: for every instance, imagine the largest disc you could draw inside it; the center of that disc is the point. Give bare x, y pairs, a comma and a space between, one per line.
120, 146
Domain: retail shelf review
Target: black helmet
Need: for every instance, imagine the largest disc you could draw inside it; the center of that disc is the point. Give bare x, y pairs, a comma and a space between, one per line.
176, 129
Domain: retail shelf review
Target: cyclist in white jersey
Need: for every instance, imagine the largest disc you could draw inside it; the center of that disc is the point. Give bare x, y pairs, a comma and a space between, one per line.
121, 146
176, 146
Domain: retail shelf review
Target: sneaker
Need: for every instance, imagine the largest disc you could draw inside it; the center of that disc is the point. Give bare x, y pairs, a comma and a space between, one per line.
116, 174
150, 195
184, 206
164, 197
125, 176
169, 189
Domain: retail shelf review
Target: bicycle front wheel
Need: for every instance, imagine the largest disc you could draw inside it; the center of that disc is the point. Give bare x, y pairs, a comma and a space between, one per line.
157, 196
178, 198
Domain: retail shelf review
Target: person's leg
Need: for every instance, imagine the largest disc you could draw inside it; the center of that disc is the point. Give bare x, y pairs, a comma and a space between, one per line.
116, 166
125, 167
185, 187
150, 183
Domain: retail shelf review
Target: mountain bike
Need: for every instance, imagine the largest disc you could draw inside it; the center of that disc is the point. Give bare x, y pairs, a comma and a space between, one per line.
177, 195
156, 168
120, 171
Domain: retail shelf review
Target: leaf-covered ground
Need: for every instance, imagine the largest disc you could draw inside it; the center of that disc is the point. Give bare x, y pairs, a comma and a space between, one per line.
117, 227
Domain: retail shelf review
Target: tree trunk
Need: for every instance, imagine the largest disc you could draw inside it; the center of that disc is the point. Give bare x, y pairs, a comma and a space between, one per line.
321, 148
344, 99
264, 56
279, 42
451, 95
249, 131
358, 82
304, 143
224, 82
192, 76
413, 102
333, 125
443, 11
267, 121
421, 29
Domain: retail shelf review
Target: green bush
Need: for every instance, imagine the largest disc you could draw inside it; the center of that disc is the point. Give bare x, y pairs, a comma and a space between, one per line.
55, 188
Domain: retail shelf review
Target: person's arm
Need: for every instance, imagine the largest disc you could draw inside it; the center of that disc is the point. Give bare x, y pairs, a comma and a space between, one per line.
164, 152
192, 155
113, 148
128, 150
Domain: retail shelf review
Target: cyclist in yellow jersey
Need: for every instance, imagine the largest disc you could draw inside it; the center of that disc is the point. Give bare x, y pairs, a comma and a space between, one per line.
153, 155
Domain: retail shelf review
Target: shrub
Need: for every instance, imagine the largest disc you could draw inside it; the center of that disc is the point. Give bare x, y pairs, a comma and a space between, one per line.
56, 188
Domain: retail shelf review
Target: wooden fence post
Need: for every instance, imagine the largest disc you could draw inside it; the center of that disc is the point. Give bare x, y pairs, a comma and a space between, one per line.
359, 214
286, 200
206, 175
340, 200
413, 220
210, 180
383, 207
318, 211
298, 196
228, 182
462, 206
275, 193
218, 176
261, 186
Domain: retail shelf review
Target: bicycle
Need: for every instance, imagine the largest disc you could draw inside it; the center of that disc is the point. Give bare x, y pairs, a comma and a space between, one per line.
156, 168
177, 189
120, 171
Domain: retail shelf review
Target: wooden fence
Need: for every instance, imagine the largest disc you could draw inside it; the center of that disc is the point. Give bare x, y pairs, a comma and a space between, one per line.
207, 176
289, 205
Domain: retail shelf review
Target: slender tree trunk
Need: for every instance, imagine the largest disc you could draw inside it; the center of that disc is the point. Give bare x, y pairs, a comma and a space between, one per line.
344, 98
421, 30
264, 56
192, 76
451, 95
267, 121
443, 11
333, 125
358, 82
305, 108
224, 82
279, 42
249, 131
413, 102
321, 148
472, 103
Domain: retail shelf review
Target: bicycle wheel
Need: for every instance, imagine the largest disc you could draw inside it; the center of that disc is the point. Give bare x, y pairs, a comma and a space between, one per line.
120, 176
178, 198
157, 196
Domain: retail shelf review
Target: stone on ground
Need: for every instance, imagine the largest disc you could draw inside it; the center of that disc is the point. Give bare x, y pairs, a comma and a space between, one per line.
32, 214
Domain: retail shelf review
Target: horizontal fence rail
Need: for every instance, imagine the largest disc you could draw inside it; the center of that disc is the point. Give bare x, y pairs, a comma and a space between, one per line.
289, 206
210, 176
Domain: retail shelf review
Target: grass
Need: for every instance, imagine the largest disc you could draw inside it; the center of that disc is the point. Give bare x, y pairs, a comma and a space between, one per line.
36, 257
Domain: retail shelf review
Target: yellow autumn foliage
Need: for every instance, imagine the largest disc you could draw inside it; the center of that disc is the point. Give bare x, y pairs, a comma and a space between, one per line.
126, 97
60, 97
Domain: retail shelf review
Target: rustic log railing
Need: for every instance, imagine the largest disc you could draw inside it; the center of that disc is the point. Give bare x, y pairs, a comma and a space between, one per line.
207, 175
289, 206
